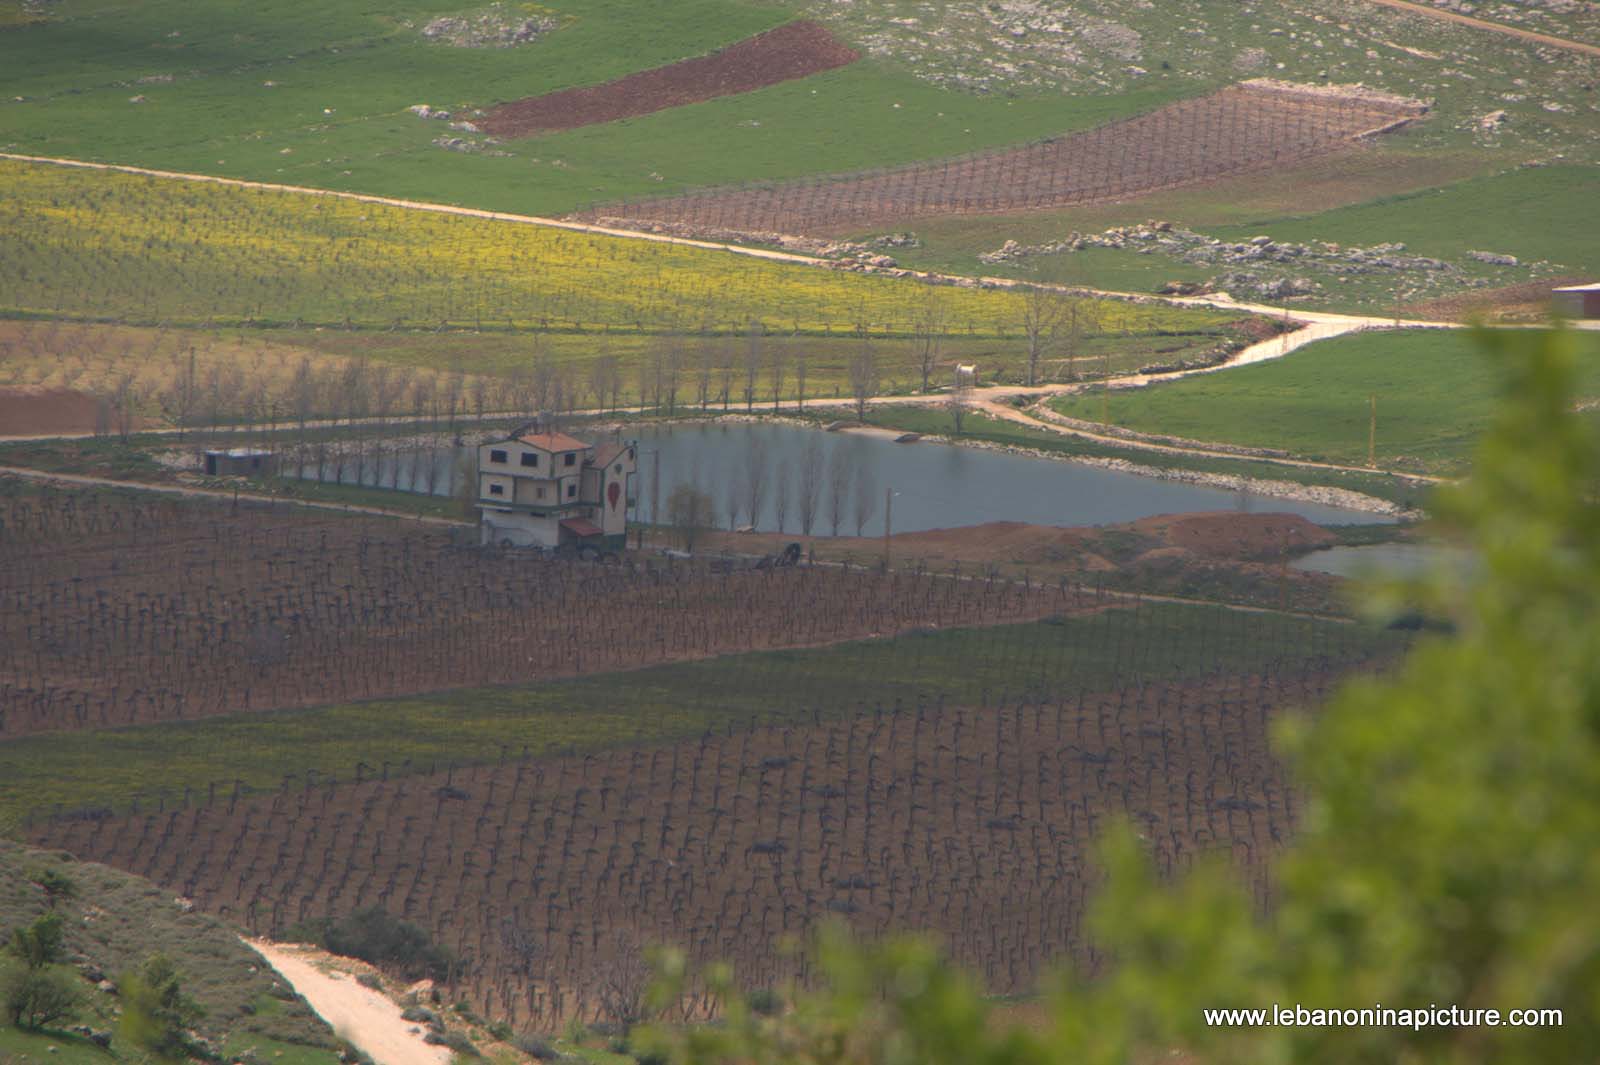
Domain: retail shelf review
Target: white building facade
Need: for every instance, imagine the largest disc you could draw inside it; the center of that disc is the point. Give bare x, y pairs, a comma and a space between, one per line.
548, 489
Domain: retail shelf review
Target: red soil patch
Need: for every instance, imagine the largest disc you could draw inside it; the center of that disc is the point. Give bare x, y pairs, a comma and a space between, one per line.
36, 411
795, 50
1225, 535
1526, 302
1238, 537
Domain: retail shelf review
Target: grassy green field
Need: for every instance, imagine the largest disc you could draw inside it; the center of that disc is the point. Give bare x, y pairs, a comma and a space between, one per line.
1526, 212
334, 115
659, 704
1436, 392
115, 921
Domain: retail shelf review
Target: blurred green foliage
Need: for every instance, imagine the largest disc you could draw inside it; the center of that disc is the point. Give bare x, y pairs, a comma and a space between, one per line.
1445, 854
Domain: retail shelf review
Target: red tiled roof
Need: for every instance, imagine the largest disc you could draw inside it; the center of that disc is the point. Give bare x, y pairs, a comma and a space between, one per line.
553, 441
605, 453
581, 527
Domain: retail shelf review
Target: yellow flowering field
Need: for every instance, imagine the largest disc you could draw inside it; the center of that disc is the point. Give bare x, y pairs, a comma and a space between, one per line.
135, 248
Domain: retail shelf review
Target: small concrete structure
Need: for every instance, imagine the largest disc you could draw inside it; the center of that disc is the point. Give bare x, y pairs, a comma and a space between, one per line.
241, 462
547, 489
1578, 301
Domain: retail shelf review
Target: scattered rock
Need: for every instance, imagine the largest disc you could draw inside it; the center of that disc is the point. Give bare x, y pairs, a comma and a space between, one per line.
494, 27
424, 111
1494, 258
1492, 121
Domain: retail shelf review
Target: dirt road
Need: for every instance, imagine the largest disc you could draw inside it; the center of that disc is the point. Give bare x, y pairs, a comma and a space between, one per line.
208, 493
368, 1018
1492, 27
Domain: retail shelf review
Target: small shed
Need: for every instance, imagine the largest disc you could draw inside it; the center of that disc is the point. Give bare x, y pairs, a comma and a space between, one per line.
241, 462
1578, 301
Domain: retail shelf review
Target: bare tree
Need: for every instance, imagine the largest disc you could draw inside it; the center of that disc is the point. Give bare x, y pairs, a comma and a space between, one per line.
960, 401
753, 480
725, 376
180, 401
864, 378
690, 511
124, 401
1082, 317
522, 947
673, 370
777, 367
1042, 313
929, 325
840, 472
781, 492
603, 380
752, 363
866, 498
707, 353
620, 979
800, 380
810, 483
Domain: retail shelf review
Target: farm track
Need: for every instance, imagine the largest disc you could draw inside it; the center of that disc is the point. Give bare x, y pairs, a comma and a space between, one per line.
1492, 27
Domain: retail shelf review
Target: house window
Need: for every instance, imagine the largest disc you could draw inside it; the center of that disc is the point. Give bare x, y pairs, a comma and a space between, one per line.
541, 491
619, 468
572, 490
530, 459
497, 456
497, 489
571, 457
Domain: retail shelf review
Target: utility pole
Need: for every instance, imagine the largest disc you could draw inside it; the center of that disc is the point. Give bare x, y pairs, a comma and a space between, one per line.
1372, 435
888, 512
655, 493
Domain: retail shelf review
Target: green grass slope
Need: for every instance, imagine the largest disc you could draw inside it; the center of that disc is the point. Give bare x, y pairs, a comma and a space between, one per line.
334, 114
113, 924
1436, 393
1082, 653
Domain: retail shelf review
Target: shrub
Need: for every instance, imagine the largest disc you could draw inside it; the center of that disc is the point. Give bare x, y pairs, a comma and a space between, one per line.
38, 944
765, 1001
537, 1046
374, 936
40, 997
455, 1041
156, 1011
370, 981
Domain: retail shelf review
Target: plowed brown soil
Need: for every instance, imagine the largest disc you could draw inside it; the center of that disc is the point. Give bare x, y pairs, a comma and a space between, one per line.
795, 50
26, 411
976, 825
1245, 128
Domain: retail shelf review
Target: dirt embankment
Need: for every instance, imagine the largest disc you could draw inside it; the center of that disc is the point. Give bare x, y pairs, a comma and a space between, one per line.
1223, 536
795, 50
26, 411
1226, 556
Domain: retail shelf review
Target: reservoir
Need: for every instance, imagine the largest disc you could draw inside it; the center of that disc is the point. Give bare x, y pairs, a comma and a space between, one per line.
933, 485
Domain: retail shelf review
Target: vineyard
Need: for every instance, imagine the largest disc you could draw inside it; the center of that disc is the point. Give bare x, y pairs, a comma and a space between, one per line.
112, 245
546, 877
1243, 128
701, 754
119, 613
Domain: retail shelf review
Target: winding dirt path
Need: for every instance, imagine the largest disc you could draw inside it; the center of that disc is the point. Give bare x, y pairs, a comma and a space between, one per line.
1492, 27
368, 1018
87, 481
